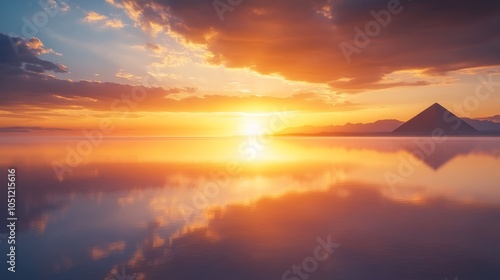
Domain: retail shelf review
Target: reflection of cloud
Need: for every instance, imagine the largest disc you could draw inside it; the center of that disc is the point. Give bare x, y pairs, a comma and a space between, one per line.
65, 264
270, 215
381, 239
98, 253
40, 223
304, 165
37, 209
154, 250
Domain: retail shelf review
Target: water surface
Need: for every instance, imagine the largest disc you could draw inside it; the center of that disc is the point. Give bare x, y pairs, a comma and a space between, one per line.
234, 208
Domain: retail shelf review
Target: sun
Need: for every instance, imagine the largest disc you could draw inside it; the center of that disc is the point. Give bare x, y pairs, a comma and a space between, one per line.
251, 128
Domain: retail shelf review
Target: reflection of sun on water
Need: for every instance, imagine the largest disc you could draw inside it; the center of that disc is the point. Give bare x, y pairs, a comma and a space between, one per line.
257, 145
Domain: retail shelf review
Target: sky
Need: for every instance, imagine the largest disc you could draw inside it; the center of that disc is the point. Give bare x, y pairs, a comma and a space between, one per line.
228, 67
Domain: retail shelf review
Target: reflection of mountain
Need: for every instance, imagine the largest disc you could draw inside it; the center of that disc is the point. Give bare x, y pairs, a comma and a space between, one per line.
435, 155
113, 210
436, 117
41, 192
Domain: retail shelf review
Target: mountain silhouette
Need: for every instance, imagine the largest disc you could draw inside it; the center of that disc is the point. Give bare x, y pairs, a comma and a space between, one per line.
436, 118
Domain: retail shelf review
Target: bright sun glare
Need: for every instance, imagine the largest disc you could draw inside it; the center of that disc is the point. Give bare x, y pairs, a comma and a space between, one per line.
251, 127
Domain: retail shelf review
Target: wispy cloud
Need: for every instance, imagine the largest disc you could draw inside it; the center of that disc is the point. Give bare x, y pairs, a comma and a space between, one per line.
53, 94
153, 47
104, 20
127, 76
93, 17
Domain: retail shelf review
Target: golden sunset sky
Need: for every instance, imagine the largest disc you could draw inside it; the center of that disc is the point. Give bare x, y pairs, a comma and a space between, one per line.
219, 68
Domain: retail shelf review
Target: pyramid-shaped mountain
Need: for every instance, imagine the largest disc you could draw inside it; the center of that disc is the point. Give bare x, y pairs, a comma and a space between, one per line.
436, 117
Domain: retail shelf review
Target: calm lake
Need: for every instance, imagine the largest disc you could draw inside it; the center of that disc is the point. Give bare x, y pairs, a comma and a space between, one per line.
241, 208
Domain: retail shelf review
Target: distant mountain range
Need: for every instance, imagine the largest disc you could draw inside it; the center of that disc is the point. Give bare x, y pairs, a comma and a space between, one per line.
495, 118
374, 127
483, 125
435, 116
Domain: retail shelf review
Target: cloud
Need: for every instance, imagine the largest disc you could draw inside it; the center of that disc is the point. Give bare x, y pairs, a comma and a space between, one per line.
108, 22
64, 6
300, 39
114, 23
52, 93
127, 76
93, 17
153, 47
29, 129
54, 4
37, 47
20, 56
27, 89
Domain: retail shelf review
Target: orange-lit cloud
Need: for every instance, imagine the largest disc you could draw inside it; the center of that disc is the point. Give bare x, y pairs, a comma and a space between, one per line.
53, 93
99, 253
108, 22
125, 75
114, 23
300, 39
93, 16
23, 81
